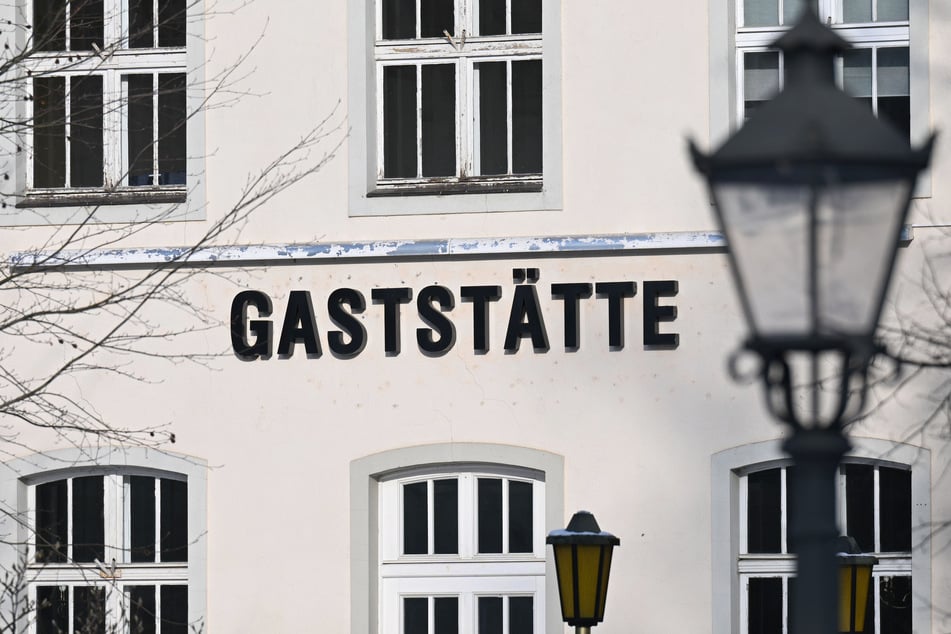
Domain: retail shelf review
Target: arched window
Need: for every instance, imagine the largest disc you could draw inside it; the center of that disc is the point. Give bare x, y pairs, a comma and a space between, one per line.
109, 547
456, 540
883, 497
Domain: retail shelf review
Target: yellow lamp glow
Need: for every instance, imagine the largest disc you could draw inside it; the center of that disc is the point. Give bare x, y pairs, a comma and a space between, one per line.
855, 577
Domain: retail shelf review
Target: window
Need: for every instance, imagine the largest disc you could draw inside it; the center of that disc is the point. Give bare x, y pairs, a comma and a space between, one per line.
876, 70
450, 538
463, 552
109, 540
107, 121
109, 550
459, 97
884, 493
875, 509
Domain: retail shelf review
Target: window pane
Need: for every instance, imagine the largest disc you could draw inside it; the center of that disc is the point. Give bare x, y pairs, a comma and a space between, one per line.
892, 10
49, 132
399, 121
174, 610
141, 609
760, 13
85, 131
85, 25
446, 516
490, 615
415, 523
490, 515
792, 9
140, 24
895, 605
415, 615
760, 79
520, 517
140, 130
491, 17
52, 609
89, 610
765, 605
893, 72
527, 117
526, 16
49, 25
895, 512
172, 22
859, 509
857, 72
174, 522
142, 522
493, 120
521, 615
856, 11
171, 122
763, 512
439, 120
88, 519
447, 615
399, 19
436, 16
51, 522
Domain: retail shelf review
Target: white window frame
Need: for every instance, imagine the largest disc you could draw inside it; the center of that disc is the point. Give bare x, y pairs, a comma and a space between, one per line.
783, 565
17, 486
114, 201
728, 40
379, 575
732, 567
467, 574
369, 53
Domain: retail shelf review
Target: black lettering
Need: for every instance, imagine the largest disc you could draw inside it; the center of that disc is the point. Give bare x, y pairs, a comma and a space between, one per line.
615, 292
260, 328
654, 314
525, 320
572, 294
351, 327
480, 296
299, 326
391, 298
437, 321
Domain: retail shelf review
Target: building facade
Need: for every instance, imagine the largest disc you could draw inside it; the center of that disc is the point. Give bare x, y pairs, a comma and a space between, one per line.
321, 315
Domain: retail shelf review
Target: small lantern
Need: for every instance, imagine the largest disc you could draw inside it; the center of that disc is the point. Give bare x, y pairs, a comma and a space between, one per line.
583, 564
855, 577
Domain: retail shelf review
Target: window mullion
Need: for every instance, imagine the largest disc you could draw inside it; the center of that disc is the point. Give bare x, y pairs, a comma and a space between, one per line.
744, 500
783, 511
155, 129
158, 519
430, 518
115, 101
876, 506
874, 70
505, 515
785, 603
67, 136
69, 519
113, 530
471, 119
155, 23
419, 117
505, 600
419, 19
510, 166
462, 101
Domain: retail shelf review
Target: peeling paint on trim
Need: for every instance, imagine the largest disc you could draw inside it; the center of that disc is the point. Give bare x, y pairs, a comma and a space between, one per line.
696, 241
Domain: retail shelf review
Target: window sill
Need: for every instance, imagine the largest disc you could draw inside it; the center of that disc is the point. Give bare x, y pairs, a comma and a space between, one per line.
452, 187
85, 198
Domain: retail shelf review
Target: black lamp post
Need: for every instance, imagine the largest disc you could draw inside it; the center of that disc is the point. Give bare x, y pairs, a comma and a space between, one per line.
812, 194
583, 564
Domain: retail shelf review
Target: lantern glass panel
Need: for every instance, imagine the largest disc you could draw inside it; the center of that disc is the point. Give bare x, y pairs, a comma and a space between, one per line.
589, 571
847, 609
769, 229
566, 579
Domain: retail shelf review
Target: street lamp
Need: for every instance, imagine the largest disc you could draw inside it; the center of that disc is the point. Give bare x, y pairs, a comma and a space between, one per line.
583, 565
855, 584
812, 195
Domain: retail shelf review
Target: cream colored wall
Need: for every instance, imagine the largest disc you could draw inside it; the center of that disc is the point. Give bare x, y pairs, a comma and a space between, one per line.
637, 428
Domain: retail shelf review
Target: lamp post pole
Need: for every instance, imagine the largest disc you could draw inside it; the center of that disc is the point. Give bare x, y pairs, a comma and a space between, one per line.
812, 528
812, 194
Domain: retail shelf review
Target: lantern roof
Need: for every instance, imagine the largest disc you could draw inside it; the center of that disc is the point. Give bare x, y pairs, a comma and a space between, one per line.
582, 529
